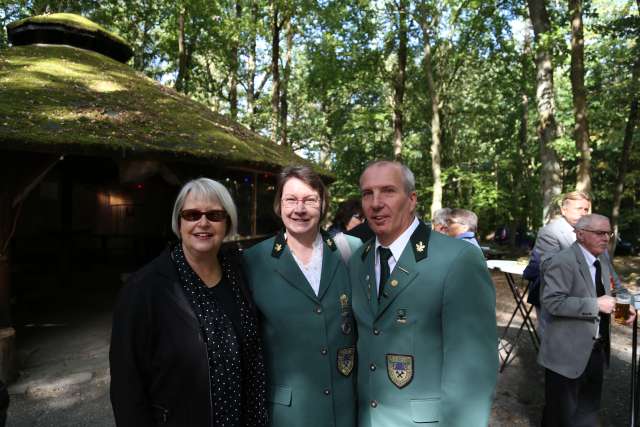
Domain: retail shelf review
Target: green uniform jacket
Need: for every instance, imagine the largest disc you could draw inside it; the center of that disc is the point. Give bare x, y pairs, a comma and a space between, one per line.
309, 340
427, 352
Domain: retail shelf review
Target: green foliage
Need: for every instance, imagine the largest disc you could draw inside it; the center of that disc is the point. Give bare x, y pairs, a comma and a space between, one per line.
340, 110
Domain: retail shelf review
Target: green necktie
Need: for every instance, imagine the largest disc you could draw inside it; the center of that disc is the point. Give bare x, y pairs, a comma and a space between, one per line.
384, 254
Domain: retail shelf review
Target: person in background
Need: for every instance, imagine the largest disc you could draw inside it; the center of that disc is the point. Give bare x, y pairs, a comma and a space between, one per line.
557, 235
463, 224
301, 287
440, 220
577, 306
185, 349
425, 309
348, 216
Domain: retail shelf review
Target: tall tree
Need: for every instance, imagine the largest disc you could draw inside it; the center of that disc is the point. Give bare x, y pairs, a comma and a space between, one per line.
548, 130
184, 53
632, 122
579, 95
400, 78
275, 69
235, 63
284, 101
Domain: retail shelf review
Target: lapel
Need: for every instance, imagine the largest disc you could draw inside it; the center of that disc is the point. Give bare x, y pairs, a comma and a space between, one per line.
406, 269
583, 268
367, 278
330, 261
288, 268
165, 268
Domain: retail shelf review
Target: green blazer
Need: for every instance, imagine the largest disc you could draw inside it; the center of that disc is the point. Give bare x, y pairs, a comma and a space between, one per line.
309, 340
427, 352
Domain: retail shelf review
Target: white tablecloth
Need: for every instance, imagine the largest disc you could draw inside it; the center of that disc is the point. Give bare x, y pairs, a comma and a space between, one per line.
512, 267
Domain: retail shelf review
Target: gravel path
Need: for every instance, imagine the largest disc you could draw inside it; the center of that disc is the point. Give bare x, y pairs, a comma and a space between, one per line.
64, 381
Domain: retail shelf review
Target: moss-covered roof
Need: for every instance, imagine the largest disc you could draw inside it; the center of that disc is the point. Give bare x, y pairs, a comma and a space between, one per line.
67, 100
70, 20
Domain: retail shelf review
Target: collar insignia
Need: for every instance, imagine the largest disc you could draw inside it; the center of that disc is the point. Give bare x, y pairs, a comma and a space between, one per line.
366, 250
278, 245
420, 241
328, 240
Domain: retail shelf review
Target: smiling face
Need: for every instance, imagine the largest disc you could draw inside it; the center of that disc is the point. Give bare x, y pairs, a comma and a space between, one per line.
300, 209
201, 237
387, 206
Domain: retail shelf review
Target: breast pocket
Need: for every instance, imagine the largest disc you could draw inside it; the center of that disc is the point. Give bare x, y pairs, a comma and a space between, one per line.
425, 410
280, 395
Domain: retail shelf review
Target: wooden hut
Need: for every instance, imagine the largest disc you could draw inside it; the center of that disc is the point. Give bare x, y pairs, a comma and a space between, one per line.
92, 153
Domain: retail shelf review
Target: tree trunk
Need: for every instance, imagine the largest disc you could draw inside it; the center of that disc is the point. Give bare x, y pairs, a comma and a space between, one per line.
235, 61
399, 80
251, 66
521, 200
284, 102
181, 79
547, 127
436, 168
579, 93
275, 70
632, 121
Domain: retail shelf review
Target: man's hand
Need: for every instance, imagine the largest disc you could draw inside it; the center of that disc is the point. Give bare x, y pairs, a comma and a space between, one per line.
606, 304
632, 315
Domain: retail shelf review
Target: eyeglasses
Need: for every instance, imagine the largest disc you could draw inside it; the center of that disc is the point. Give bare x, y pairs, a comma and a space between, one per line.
600, 233
193, 215
308, 202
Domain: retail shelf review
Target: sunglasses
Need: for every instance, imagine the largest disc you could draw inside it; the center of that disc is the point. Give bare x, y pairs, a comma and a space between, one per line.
193, 215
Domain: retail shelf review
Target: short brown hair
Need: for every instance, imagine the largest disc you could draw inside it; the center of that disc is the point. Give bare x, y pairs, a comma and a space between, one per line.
309, 177
575, 195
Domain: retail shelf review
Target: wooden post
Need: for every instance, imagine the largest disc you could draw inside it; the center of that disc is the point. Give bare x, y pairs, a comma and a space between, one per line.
254, 205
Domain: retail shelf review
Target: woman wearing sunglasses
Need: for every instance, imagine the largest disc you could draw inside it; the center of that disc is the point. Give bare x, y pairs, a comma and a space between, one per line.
185, 350
301, 288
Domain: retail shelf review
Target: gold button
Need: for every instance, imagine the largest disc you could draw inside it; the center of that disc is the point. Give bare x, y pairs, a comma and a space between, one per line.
394, 283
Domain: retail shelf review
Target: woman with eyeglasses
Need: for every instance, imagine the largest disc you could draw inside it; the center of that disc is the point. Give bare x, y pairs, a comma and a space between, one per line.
301, 288
185, 349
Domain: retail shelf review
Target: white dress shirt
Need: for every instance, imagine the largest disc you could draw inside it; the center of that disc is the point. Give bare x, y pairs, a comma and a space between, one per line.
313, 269
397, 247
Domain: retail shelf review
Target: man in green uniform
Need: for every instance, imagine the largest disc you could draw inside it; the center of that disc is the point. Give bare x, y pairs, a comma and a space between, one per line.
425, 310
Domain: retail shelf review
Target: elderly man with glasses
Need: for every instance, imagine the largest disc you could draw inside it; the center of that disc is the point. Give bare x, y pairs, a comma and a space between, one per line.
577, 304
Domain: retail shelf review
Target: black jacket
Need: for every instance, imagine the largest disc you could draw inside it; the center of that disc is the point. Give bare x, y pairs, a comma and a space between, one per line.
158, 356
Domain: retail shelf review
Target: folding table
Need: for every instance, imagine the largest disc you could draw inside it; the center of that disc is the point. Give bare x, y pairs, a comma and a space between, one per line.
513, 273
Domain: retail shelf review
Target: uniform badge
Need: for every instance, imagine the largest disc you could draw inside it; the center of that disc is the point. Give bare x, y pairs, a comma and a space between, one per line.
401, 316
400, 369
278, 247
344, 302
329, 242
346, 360
420, 246
394, 283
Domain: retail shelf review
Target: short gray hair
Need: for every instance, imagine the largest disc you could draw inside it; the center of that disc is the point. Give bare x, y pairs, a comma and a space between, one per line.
206, 189
441, 216
464, 217
587, 220
408, 179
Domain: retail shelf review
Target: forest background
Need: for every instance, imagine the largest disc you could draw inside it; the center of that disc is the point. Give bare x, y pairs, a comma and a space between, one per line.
497, 106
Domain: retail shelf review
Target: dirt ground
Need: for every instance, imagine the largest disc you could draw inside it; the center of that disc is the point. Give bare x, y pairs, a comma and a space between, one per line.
63, 349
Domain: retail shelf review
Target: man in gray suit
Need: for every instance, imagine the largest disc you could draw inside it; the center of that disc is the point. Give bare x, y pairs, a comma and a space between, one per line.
576, 302
559, 234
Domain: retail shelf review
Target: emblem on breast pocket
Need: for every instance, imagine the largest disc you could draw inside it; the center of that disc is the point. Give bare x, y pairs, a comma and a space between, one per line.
400, 369
346, 360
